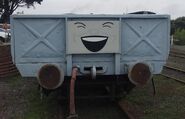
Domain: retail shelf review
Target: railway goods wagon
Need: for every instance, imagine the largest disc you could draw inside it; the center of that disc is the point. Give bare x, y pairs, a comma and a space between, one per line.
50, 46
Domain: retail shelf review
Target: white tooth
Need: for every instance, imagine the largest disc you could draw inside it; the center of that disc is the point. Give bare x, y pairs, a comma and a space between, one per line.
94, 39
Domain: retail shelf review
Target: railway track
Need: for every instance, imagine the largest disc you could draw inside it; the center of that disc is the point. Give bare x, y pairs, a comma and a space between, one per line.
99, 109
90, 107
179, 54
174, 73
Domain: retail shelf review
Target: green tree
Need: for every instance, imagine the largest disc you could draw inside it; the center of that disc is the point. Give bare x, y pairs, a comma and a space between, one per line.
178, 30
177, 24
179, 37
7, 7
180, 23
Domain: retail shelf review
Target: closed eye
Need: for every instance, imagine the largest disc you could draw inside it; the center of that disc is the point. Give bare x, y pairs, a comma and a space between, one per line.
108, 24
80, 25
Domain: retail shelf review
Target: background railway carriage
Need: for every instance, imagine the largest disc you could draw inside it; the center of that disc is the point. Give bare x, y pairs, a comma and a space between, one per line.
110, 46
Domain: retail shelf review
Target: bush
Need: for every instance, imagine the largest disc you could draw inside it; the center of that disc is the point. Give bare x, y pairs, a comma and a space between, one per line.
179, 37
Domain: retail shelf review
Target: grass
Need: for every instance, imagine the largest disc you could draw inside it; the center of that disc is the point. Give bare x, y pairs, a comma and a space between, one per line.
41, 109
168, 103
27, 100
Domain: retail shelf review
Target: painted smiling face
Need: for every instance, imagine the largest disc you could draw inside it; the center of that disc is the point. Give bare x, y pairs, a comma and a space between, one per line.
93, 36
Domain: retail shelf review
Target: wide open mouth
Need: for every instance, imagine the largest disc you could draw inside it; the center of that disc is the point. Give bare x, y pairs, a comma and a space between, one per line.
94, 43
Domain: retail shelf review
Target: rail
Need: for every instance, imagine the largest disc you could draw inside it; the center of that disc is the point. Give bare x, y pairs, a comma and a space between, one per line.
179, 54
174, 73
126, 110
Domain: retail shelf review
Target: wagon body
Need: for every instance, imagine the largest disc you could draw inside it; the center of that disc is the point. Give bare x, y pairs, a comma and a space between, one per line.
111, 43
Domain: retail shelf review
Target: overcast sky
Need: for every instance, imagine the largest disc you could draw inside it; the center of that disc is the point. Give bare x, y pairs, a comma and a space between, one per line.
175, 8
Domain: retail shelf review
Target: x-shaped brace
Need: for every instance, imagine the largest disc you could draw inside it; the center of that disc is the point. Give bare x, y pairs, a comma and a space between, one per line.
40, 38
143, 37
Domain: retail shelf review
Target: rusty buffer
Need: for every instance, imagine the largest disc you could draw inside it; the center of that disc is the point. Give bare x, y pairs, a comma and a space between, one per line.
50, 76
140, 73
7, 68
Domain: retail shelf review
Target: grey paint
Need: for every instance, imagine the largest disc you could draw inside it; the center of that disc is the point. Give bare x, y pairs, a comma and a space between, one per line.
45, 39
93, 27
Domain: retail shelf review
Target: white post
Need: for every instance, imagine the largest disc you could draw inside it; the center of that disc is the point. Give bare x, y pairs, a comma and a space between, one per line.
171, 40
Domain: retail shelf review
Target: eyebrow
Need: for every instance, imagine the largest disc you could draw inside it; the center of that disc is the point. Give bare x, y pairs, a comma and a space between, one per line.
80, 23
108, 23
